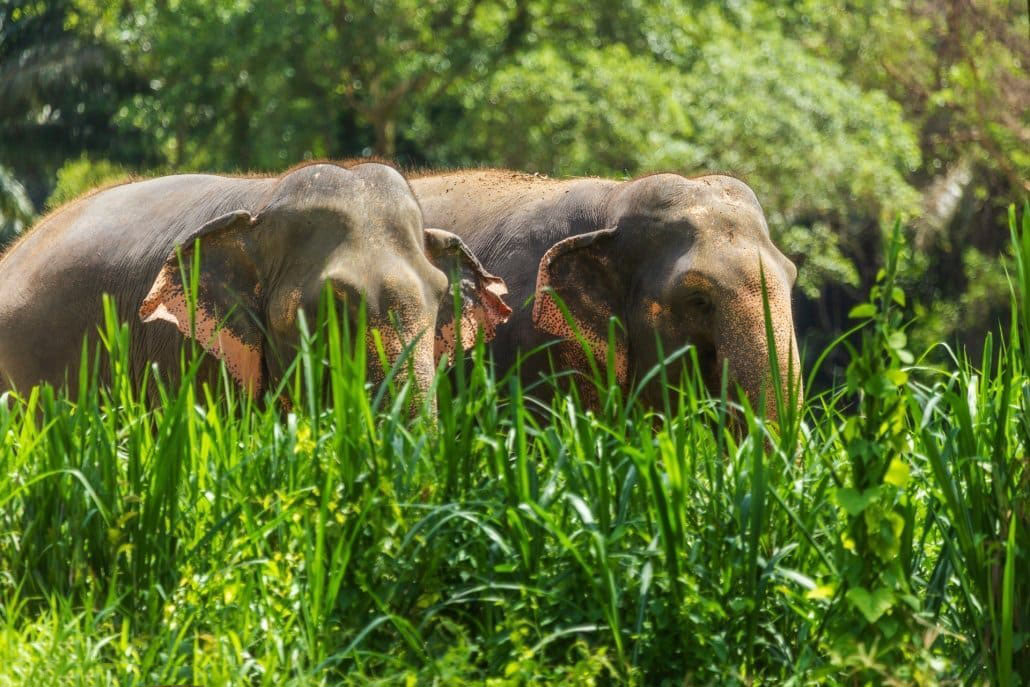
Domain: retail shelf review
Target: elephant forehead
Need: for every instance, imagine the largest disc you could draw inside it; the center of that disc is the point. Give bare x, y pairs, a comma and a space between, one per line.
744, 263
395, 210
326, 179
726, 187
675, 194
726, 220
373, 204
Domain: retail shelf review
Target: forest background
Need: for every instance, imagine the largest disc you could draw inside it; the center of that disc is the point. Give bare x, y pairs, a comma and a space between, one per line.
841, 115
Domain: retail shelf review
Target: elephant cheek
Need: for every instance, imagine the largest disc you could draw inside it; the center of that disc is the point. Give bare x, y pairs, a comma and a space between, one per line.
283, 332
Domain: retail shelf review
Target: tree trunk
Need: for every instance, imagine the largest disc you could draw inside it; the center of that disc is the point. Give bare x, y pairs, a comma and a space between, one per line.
240, 144
386, 135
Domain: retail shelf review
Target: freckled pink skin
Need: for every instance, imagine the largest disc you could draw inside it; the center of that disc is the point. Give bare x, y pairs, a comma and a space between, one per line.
167, 302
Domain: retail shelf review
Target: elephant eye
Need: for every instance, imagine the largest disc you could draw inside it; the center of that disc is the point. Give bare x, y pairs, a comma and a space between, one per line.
698, 300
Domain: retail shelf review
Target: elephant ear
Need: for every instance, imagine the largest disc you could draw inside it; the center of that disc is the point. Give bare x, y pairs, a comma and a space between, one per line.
228, 292
582, 271
482, 294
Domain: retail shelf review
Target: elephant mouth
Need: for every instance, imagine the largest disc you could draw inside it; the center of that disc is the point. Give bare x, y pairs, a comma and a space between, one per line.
711, 364
703, 364
710, 368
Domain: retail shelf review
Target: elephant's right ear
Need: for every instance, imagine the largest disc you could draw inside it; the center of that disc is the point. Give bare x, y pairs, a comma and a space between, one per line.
582, 271
228, 294
482, 294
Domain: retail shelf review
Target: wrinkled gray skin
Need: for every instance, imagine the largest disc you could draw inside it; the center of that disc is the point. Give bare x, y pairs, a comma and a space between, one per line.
268, 246
677, 257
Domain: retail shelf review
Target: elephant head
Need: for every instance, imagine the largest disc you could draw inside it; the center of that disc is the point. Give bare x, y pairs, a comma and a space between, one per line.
360, 231
681, 261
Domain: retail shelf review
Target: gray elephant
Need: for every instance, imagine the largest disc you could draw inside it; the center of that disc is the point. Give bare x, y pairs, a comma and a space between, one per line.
268, 246
679, 257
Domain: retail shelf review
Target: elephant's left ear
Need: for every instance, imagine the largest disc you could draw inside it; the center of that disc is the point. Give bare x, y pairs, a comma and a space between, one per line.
482, 294
584, 273
222, 319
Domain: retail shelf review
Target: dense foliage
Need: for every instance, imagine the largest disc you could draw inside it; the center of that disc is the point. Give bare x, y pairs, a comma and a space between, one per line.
332, 536
840, 117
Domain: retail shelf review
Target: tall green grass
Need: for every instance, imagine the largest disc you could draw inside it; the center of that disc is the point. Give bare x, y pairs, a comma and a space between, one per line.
155, 534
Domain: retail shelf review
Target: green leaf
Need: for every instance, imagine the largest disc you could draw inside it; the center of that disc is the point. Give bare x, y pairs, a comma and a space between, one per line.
897, 340
898, 377
862, 311
897, 474
853, 502
873, 605
1008, 592
884, 530
879, 385
821, 592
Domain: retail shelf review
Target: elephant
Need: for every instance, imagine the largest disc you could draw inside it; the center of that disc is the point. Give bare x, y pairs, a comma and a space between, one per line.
676, 259
268, 247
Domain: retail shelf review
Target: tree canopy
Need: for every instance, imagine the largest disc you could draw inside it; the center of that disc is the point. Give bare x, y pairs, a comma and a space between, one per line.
841, 119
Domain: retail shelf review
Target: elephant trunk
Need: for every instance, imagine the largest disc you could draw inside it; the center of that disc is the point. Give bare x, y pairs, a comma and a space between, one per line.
743, 342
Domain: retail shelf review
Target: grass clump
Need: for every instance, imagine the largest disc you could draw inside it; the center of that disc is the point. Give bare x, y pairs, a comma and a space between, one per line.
152, 534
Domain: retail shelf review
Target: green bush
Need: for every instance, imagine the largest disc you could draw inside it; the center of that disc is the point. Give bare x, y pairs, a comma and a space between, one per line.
16, 210
84, 174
